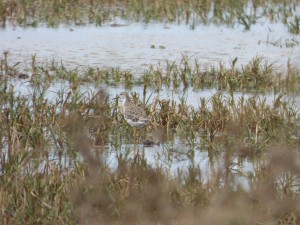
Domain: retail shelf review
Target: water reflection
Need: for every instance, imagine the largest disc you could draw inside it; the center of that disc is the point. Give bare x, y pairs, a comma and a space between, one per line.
134, 48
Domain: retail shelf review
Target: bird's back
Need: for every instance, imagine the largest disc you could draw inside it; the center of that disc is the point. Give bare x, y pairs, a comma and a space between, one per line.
135, 115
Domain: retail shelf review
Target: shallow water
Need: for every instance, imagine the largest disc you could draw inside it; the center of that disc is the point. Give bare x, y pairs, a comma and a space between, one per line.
190, 96
135, 46
174, 160
172, 155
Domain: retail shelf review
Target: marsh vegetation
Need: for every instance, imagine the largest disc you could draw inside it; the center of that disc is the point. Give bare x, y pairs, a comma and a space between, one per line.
67, 154
192, 13
54, 150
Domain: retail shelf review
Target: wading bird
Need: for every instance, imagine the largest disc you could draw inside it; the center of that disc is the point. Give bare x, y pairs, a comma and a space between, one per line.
134, 115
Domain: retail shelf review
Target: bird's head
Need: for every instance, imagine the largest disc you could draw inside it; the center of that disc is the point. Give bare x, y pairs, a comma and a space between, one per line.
124, 97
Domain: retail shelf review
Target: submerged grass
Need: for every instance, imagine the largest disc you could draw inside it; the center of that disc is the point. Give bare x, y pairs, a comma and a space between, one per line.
257, 76
53, 151
294, 25
81, 12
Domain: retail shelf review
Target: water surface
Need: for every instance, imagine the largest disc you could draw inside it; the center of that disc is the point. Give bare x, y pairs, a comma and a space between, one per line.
135, 46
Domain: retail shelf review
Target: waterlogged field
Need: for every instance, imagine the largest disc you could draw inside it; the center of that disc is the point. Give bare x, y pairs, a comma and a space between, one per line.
219, 81
136, 46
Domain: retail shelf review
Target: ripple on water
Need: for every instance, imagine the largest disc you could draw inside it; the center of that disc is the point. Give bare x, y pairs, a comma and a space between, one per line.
137, 45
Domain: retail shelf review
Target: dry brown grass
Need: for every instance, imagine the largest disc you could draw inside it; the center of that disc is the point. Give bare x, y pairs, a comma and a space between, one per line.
139, 194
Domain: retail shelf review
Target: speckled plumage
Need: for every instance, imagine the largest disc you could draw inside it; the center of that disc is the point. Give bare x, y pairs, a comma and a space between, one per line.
133, 114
